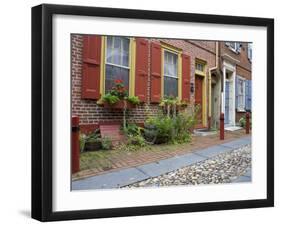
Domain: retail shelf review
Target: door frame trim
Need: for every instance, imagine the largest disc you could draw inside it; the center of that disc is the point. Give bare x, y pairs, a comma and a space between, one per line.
204, 97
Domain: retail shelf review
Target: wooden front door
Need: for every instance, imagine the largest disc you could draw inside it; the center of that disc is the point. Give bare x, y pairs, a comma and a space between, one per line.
199, 99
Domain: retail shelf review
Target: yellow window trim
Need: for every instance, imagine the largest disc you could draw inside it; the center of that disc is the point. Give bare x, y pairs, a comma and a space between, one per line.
132, 65
204, 94
169, 48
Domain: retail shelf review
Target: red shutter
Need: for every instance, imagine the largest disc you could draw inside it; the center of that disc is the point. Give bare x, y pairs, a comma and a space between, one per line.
91, 67
155, 73
141, 69
185, 77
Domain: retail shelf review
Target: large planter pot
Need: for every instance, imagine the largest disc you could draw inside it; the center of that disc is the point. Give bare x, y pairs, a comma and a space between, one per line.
92, 146
119, 105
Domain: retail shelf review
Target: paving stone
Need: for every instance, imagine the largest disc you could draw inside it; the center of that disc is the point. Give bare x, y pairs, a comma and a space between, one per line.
213, 151
110, 180
167, 165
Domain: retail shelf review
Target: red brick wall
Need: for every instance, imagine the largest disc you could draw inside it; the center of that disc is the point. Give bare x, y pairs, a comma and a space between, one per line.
91, 114
244, 67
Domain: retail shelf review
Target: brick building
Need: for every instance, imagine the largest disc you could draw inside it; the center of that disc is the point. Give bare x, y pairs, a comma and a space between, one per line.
152, 68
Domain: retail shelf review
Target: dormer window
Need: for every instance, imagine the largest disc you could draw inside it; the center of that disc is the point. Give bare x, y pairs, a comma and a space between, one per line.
250, 49
234, 46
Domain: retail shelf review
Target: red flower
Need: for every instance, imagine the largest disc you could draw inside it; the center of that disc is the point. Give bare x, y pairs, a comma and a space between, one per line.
118, 81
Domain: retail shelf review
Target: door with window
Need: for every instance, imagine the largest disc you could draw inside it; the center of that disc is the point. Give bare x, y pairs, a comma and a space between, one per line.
199, 98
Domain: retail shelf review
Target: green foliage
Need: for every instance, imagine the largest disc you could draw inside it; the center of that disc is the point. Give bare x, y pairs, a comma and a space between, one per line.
106, 143
127, 147
242, 121
183, 122
111, 99
159, 128
82, 141
165, 129
134, 135
134, 100
85, 138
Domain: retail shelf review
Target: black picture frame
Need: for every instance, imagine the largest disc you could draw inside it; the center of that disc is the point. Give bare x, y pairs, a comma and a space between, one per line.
42, 107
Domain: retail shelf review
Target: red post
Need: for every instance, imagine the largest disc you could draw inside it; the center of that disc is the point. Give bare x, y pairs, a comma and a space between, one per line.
247, 123
75, 145
222, 126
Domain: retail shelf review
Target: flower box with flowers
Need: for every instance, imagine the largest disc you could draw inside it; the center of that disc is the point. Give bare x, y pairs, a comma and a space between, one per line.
117, 97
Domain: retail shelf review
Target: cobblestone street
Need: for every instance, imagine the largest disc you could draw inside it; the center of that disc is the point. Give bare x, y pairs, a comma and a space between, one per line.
223, 168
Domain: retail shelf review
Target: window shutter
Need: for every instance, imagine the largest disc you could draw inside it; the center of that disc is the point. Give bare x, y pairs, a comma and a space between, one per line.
91, 67
248, 96
155, 73
185, 77
236, 91
141, 68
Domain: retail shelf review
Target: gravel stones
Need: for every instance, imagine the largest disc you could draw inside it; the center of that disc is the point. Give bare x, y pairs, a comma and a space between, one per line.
223, 168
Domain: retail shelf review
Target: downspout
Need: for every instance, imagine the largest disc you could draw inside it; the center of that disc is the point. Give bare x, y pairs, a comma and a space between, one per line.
216, 70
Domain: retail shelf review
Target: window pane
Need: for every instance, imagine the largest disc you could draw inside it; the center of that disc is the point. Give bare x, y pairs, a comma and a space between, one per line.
170, 64
117, 51
170, 86
112, 73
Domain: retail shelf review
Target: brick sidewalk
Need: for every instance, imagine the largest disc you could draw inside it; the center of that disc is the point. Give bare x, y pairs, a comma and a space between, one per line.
121, 159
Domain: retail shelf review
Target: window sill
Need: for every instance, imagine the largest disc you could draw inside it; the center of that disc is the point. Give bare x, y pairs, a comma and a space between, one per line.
241, 110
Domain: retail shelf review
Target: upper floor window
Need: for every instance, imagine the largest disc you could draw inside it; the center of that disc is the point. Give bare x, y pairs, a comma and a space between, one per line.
117, 65
199, 66
234, 46
250, 49
170, 74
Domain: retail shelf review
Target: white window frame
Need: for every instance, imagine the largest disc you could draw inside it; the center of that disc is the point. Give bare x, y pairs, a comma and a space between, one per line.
241, 107
118, 65
236, 47
250, 49
171, 76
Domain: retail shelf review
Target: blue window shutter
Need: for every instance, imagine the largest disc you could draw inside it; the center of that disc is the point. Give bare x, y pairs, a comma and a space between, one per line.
247, 106
250, 95
236, 91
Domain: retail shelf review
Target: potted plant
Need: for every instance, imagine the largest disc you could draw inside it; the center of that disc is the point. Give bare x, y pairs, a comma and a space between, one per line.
92, 142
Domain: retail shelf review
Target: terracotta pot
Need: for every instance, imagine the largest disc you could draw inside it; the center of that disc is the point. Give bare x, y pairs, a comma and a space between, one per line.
119, 105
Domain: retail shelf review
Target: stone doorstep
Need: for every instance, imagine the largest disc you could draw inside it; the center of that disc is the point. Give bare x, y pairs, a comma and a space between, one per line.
131, 175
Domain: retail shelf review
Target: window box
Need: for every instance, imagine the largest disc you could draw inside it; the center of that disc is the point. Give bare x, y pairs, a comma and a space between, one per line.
119, 105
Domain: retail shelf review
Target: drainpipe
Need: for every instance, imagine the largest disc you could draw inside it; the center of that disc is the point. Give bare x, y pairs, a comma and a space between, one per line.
216, 69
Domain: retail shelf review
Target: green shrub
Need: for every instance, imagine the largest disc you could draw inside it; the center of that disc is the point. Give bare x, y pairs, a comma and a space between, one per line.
88, 138
82, 141
106, 143
242, 121
165, 129
158, 129
183, 122
133, 100
134, 134
109, 98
